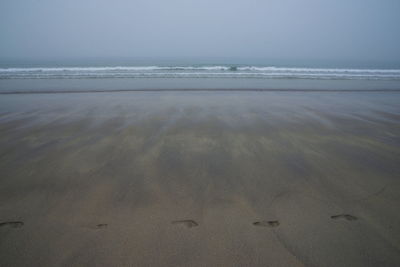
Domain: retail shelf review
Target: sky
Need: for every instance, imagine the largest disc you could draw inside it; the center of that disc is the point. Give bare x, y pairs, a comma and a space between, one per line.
281, 29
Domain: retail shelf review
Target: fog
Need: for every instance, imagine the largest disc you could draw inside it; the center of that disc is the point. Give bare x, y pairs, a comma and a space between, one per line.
282, 29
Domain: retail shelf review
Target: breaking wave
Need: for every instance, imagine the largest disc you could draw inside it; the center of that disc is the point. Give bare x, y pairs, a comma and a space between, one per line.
260, 72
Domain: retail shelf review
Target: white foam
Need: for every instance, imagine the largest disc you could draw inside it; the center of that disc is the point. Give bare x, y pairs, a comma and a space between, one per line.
197, 72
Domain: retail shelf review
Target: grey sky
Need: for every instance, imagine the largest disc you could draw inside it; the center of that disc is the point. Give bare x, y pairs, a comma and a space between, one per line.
315, 29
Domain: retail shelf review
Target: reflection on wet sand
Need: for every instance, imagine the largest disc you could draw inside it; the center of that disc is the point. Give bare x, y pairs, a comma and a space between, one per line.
110, 180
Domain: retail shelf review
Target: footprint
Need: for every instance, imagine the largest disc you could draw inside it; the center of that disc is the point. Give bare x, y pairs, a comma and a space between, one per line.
102, 226
97, 226
187, 223
344, 216
267, 223
15, 224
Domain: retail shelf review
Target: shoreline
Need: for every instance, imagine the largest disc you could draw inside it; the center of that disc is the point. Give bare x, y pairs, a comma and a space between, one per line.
198, 84
204, 90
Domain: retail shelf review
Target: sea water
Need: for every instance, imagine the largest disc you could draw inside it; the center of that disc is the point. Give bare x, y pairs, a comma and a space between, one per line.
108, 75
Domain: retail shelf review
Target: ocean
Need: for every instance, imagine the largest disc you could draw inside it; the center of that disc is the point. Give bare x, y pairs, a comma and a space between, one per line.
62, 76
212, 71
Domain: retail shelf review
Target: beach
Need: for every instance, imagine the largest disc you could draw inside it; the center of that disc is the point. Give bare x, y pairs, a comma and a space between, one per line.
200, 179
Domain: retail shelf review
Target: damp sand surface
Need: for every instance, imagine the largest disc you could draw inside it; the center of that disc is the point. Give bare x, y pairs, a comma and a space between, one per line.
200, 179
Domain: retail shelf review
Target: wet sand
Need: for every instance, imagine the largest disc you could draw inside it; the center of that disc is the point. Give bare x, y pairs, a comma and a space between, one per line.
200, 179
